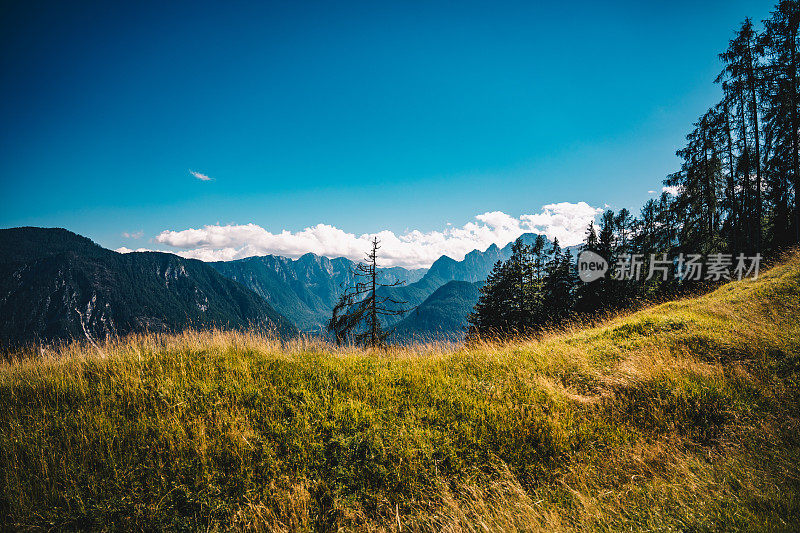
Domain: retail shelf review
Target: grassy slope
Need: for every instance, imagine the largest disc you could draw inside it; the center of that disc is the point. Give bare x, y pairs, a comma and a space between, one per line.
682, 416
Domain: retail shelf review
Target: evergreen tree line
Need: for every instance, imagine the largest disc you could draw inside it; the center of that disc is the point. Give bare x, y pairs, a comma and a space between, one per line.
735, 192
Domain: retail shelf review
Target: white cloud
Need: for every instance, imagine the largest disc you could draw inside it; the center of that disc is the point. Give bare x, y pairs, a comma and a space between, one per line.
200, 176
674, 190
133, 235
651, 192
412, 249
126, 250
564, 220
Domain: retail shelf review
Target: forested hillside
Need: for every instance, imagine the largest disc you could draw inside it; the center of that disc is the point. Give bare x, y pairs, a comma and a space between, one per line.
442, 316
732, 204
58, 286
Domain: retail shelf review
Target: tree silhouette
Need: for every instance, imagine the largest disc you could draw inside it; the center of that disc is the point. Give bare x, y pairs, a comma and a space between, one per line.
357, 315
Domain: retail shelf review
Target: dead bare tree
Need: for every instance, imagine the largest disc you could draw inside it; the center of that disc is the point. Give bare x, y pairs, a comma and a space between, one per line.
357, 314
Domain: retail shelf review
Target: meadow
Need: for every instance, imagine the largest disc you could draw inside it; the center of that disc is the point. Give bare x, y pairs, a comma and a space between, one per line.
681, 416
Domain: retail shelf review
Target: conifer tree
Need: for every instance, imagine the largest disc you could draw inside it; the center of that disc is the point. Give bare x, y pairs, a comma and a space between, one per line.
590, 242
778, 44
559, 288
623, 224
539, 259
357, 315
492, 314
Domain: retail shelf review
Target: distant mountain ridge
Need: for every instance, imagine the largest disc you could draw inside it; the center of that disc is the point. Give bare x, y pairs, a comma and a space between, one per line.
442, 316
56, 285
475, 267
306, 289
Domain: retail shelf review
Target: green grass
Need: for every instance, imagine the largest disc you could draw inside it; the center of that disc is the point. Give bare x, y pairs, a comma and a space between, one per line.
683, 416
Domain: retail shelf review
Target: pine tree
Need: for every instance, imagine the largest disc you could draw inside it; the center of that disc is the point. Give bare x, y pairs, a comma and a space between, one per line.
492, 314
587, 295
559, 287
743, 75
539, 258
623, 224
357, 315
646, 238
590, 241
778, 44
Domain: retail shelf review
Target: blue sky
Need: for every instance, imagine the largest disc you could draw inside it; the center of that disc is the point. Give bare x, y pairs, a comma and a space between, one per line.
367, 117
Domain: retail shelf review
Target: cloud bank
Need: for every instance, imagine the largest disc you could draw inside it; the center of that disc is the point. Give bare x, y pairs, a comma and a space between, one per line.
413, 249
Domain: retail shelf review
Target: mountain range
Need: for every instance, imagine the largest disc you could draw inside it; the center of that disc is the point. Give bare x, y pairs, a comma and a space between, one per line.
58, 286
305, 290
442, 316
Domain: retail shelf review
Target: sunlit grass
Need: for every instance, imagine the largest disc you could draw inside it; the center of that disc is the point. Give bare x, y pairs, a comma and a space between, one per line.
679, 416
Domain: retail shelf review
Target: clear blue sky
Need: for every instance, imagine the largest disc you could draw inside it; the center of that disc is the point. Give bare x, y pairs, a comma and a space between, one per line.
366, 116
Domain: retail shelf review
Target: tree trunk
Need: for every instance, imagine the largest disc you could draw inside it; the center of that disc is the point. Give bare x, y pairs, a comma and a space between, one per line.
748, 215
757, 142
374, 306
795, 127
731, 181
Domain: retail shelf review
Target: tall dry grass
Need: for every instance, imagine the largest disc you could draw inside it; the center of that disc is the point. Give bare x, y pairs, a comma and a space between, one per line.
682, 416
